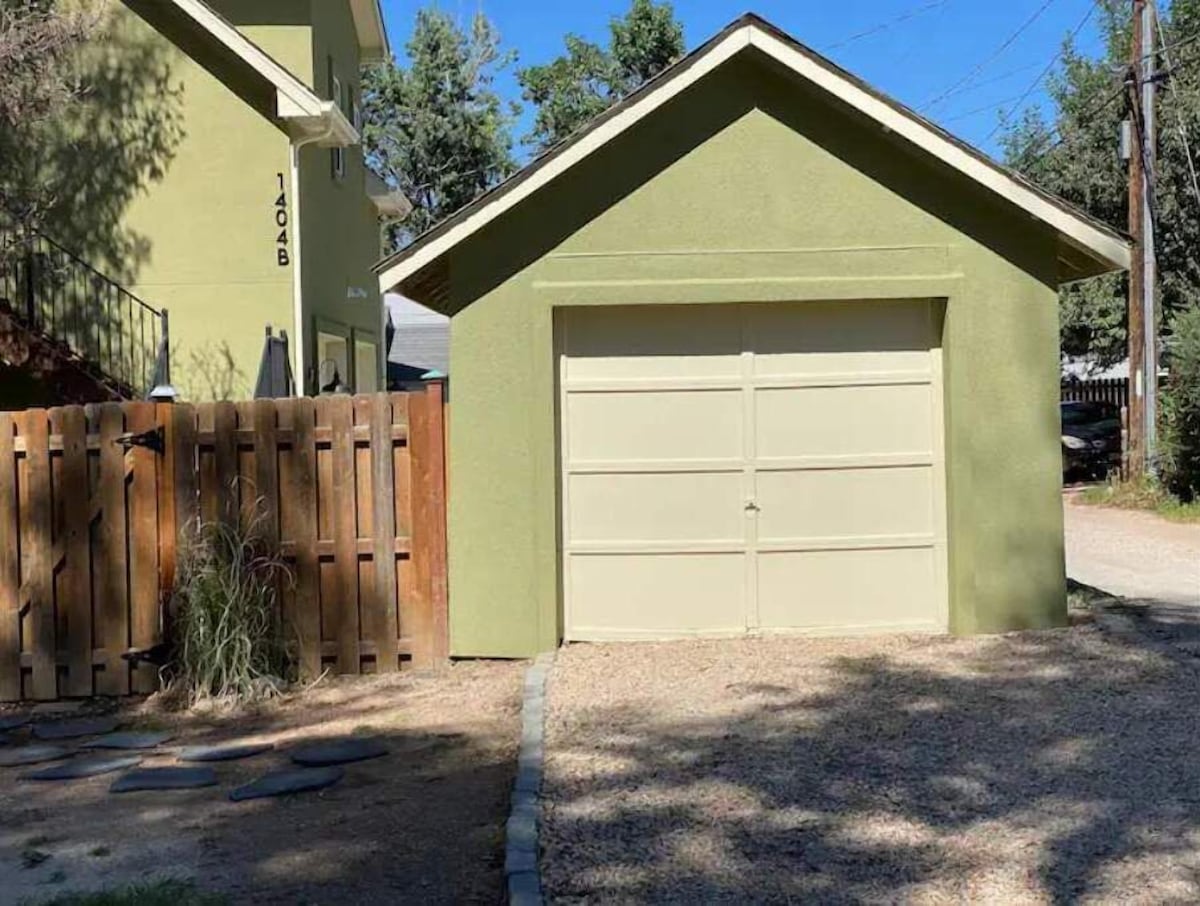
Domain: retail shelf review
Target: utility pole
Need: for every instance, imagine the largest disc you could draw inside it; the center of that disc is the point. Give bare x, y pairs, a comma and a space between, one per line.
1143, 372
1149, 255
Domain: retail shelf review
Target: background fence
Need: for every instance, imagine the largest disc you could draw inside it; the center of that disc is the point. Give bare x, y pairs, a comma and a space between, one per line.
1105, 390
96, 501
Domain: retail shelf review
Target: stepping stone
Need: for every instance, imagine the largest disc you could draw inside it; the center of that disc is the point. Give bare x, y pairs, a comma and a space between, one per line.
294, 780
164, 779
11, 758
338, 751
127, 741
224, 753
65, 707
91, 766
69, 729
13, 721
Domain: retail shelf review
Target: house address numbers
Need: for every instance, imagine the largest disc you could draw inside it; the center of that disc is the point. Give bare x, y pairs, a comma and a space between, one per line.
282, 257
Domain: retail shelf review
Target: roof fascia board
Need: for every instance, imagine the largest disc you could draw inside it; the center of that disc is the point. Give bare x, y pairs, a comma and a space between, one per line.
1115, 251
371, 30
392, 276
295, 102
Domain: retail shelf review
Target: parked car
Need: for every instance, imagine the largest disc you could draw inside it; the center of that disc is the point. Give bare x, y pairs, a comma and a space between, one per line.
1091, 438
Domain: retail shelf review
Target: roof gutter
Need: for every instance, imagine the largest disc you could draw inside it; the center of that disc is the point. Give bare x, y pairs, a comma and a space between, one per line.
325, 126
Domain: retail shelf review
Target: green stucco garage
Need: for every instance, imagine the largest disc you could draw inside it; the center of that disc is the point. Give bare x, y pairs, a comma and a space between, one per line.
758, 350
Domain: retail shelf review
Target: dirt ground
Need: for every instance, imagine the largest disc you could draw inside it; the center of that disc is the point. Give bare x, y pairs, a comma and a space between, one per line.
1033, 768
424, 824
1132, 554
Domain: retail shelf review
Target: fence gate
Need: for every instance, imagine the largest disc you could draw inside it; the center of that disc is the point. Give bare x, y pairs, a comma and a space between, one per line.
96, 501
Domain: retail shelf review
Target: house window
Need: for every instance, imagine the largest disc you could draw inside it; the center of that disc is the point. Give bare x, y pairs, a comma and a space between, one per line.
366, 366
333, 363
337, 156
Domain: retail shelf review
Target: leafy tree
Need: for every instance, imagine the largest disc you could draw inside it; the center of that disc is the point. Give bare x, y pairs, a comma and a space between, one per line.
38, 43
435, 128
1074, 153
1181, 435
587, 79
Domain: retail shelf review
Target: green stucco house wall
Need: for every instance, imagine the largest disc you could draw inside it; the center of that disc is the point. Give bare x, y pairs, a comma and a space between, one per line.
249, 205
753, 177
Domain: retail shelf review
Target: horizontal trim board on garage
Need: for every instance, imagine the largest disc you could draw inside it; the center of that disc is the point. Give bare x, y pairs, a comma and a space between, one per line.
801, 459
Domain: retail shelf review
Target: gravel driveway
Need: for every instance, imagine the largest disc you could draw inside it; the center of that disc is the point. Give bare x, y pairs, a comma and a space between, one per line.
1132, 554
1034, 768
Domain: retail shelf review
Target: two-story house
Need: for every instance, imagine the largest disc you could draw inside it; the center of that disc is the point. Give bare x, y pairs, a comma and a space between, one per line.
260, 211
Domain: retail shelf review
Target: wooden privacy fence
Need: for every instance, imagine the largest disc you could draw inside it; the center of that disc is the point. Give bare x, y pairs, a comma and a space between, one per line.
97, 501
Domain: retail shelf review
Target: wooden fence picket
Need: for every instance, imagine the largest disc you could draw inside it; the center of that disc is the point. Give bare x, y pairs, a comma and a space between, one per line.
98, 506
10, 576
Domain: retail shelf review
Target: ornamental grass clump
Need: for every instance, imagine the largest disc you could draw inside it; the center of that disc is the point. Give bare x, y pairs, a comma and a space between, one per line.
227, 636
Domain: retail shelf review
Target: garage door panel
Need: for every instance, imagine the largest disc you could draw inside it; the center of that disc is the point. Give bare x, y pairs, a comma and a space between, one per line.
845, 503
640, 596
680, 506
639, 342
843, 421
648, 426
849, 590
823, 338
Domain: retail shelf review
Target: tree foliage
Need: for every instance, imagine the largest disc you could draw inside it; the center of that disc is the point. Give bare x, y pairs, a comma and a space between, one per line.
1181, 422
39, 40
1074, 153
587, 79
434, 127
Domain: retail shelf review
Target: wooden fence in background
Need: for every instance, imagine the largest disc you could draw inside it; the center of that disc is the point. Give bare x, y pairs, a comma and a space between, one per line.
96, 502
1100, 390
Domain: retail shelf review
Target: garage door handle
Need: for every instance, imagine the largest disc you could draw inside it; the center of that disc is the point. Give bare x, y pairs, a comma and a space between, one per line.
751, 506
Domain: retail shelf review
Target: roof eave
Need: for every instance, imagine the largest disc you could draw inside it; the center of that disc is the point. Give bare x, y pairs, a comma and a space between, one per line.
325, 126
390, 203
371, 29
1106, 248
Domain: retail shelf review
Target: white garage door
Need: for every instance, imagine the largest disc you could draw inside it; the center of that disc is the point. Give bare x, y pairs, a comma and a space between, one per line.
741, 468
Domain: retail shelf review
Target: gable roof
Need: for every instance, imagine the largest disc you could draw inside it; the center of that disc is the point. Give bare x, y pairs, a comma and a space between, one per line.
216, 40
1091, 246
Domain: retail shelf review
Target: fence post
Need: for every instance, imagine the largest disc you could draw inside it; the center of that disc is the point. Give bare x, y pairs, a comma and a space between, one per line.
436, 510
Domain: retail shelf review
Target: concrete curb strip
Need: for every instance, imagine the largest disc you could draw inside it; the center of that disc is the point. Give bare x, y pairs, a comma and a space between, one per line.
523, 879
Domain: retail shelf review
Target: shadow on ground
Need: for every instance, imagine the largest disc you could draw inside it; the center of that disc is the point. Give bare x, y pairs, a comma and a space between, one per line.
1043, 767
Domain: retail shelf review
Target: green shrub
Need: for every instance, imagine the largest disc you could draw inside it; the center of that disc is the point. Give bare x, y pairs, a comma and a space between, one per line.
1180, 464
227, 635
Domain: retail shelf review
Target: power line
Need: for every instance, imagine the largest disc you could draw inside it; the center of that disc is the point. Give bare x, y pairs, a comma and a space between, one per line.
1040, 152
993, 80
1180, 122
984, 109
1091, 10
891, 23
978, 68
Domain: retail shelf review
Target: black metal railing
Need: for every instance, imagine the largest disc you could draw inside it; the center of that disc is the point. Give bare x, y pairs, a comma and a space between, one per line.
108, 331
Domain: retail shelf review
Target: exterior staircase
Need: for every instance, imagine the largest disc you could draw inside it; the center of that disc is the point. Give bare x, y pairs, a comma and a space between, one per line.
70, 333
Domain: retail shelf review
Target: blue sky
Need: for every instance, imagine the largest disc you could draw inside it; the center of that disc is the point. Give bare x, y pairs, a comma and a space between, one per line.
916, 59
